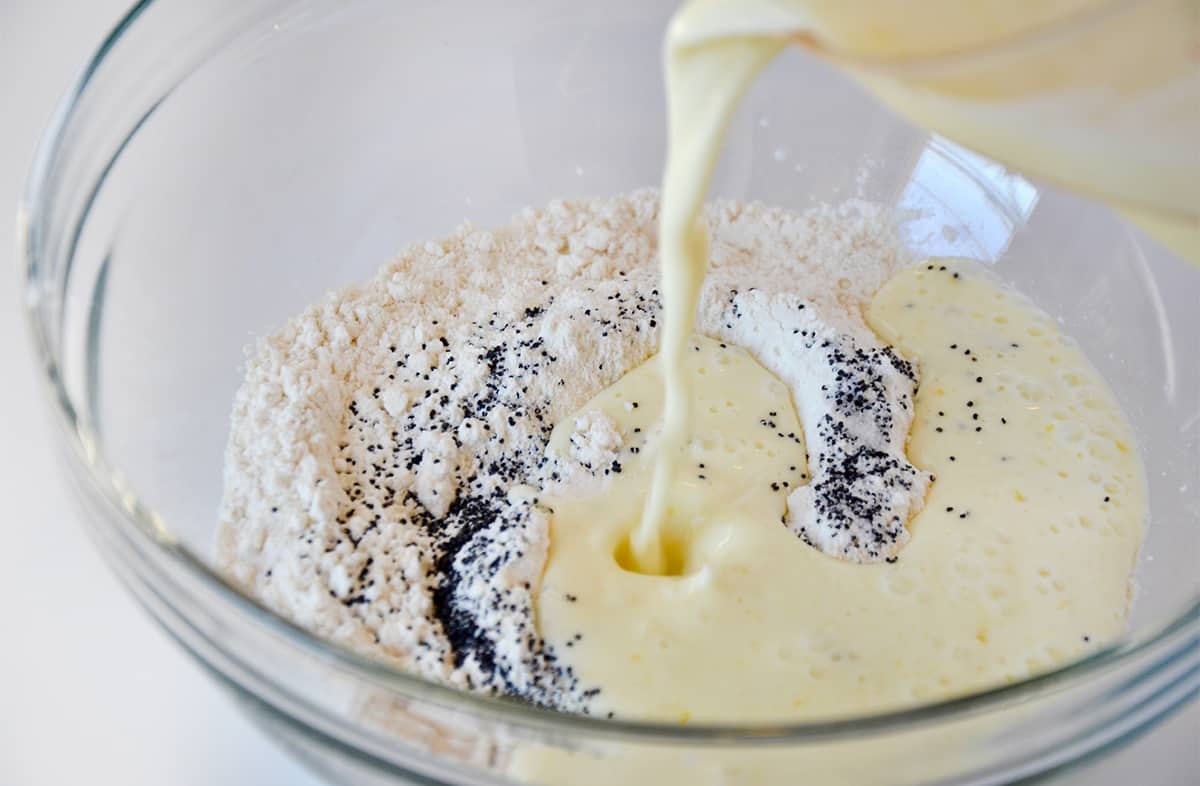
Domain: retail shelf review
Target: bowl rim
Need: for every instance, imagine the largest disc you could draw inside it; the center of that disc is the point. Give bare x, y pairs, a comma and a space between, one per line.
149, 531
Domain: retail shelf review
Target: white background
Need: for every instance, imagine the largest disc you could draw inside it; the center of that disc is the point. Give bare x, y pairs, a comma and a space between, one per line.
90, 690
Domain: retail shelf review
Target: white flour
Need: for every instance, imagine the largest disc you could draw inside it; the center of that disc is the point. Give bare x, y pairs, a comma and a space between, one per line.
387, 445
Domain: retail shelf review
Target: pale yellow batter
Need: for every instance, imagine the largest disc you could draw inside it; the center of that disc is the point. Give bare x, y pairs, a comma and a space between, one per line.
714, 48
1020, 560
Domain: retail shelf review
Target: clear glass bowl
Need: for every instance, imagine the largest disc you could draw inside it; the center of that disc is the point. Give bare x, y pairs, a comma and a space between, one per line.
218, 167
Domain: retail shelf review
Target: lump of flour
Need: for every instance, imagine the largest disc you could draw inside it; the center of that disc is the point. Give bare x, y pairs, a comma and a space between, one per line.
854, 399
388, 444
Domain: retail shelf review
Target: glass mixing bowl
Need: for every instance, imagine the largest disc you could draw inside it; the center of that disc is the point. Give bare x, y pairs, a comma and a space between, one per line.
219, 166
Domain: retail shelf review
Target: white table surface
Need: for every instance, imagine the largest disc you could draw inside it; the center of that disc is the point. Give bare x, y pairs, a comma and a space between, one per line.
90, 690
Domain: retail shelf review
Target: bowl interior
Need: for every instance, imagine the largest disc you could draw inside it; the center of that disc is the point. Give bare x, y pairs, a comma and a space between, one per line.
305, 153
